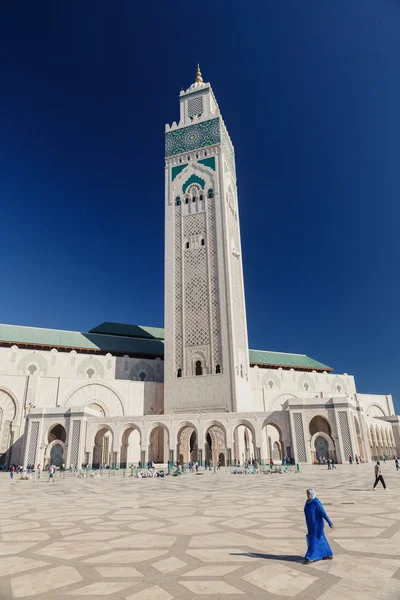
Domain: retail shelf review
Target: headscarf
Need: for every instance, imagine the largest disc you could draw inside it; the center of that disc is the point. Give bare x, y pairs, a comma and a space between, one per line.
312, 494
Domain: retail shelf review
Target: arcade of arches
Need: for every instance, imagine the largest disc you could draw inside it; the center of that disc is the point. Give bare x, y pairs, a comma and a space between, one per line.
125, 444
381, 441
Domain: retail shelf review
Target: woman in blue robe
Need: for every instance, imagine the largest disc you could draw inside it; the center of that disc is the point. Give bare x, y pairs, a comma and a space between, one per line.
318, 547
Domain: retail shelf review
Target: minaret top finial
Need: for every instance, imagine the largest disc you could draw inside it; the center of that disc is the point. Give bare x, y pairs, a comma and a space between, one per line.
199, 78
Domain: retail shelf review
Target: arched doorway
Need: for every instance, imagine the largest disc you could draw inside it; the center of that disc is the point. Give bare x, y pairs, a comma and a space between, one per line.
187, 447
102, 449
272, 443
322, 444
159, 445
57, 432
321, 447
130, 447
215, 444
244, 447
56, 455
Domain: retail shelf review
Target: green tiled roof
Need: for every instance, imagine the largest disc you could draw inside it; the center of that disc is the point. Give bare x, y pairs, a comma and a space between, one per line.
134, 339
282, 359
55, 338
136, 331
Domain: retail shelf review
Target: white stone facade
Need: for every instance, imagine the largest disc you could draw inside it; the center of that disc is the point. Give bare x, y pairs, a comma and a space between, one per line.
79, 398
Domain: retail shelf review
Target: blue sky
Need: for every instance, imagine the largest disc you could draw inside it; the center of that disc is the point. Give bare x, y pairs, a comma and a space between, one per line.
310, 93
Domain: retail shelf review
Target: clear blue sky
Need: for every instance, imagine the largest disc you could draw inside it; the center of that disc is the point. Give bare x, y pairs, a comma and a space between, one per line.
310, 92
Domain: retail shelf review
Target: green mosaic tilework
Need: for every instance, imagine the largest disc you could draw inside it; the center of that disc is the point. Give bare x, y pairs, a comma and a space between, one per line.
193, 179
193, 137
176, 170
208, 162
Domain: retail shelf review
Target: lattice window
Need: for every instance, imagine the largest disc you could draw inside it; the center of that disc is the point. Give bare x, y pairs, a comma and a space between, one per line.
214, 288
76, 434
33, 440
178, 291
195, 106
197, 327
299, 435
345, 432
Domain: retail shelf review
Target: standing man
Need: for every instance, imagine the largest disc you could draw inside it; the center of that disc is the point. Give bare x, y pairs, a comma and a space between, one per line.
396, 462
378, 476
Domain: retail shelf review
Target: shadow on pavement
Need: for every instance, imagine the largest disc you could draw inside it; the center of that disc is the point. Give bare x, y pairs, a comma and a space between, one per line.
298, 559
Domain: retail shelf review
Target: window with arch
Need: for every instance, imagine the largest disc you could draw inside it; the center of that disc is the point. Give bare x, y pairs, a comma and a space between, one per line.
187, 244
177, 201
202, 242
218, 369
210, 194
186, 200
90, 373
201, 197
199, 368
194, 199
32, 369
339, 388
306, 386
142, 376
270, 384
179, 374
241, 371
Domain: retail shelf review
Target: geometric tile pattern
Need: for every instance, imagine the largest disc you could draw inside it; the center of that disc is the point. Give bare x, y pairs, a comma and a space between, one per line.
76, 432
209, 536
192, 137
299, 434
345, 431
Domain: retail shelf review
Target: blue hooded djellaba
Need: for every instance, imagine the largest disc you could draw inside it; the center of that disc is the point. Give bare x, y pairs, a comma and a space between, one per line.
318, 547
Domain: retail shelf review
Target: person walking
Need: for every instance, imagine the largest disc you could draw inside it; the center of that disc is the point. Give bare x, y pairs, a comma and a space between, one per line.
329, 464
333, 464
396, 462
12, 472
51, 472
39, 470
378, 476
317, 544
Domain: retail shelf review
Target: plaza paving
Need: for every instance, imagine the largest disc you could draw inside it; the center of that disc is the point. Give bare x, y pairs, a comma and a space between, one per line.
205, 536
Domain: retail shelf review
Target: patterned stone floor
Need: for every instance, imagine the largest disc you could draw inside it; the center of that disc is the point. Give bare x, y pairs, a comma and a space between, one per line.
206, 536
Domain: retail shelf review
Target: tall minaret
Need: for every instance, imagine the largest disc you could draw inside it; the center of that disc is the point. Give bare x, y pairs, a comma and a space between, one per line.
206, 365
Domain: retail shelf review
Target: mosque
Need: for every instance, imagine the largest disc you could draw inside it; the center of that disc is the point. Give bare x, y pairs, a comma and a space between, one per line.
121, 394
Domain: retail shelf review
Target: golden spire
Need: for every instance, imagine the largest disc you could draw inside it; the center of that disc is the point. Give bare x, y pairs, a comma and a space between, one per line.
199, 78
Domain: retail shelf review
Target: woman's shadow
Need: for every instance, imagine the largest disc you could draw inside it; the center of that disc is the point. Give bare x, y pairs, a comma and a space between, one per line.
284, 557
